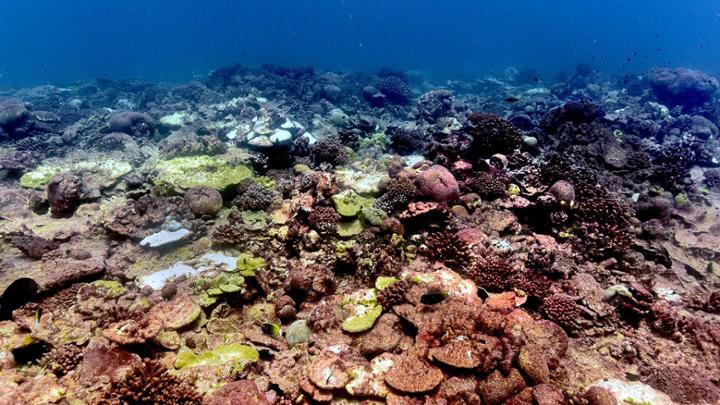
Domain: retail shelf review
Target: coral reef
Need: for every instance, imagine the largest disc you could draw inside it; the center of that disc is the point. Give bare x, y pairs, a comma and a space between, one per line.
274, 235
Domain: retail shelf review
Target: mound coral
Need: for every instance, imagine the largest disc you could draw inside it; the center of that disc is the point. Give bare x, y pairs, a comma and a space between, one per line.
439, 184
395, 90
132, 123
203, 200
685, 87
310, 283
63, 193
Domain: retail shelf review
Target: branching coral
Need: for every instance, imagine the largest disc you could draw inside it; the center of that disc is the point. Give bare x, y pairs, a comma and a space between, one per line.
492, 272
255, 197
604, 223
62, 359
492, 134
150, 383
405, 141
447, 248
562, 309
394, 89
329, 151
486, 185
324, 220
398, 193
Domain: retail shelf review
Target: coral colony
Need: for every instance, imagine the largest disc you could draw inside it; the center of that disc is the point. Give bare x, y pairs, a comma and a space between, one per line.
288, 236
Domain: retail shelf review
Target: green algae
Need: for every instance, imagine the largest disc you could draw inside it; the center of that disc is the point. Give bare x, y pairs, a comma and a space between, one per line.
383, 282
237, 354
348, 203
247, 264
254, 220
111, 289
38, 177
190, 171
211, 288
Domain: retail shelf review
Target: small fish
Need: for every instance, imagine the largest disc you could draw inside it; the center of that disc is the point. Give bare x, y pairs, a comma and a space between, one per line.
511, 100
270, 329
433, 298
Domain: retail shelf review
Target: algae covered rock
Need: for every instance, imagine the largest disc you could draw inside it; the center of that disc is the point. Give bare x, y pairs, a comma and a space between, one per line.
191, 171
101, 172
298, 332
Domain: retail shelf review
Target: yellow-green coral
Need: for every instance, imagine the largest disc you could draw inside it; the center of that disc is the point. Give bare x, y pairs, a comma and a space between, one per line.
237, 353
189, 171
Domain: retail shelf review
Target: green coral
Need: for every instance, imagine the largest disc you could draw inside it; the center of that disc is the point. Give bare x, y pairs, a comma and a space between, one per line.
364, 311
238, 354
247, 264
189, 171
349, 203
211, 288
351, 228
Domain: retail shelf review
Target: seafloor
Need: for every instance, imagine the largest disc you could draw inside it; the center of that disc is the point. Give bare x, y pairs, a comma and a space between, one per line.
286, 236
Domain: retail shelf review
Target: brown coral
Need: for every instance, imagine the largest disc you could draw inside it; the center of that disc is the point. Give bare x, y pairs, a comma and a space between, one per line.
62, 359
324, 220
447, 248
412, 375
562, 308
150, 383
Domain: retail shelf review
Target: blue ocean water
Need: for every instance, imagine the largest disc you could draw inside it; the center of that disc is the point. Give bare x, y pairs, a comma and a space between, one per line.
168, 40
